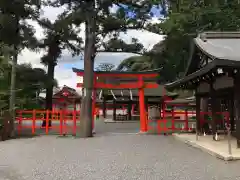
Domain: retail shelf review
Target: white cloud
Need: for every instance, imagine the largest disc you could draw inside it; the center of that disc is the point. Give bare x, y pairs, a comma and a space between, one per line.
146, 38
66, 77
63, 72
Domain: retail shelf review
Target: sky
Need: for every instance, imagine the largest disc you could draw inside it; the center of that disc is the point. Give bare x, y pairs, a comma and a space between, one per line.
63, 71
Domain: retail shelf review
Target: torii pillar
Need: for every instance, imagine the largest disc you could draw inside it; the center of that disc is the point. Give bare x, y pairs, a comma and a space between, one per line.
143, 119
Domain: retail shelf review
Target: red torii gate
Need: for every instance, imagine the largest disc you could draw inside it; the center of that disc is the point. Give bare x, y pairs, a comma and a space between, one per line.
140, 85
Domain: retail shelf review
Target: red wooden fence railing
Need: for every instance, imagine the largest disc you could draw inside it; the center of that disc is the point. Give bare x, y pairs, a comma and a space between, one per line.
170, 118
32, 119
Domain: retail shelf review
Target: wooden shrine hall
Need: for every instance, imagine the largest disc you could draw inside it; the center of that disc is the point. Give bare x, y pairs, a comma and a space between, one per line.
67, 98
128, 99
139, 82
213, 72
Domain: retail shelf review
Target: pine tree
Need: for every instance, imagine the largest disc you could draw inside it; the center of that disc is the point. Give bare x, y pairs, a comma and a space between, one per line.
16, 33
100, 22
59, 35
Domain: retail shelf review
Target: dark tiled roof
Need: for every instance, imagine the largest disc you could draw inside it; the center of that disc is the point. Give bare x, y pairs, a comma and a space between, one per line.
154, 92
222, 47
117, 80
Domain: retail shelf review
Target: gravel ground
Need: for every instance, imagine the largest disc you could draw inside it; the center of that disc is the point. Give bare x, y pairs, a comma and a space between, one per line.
110, 156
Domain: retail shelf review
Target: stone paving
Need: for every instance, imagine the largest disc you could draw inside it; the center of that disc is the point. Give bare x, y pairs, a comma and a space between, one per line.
219, 149
114, 156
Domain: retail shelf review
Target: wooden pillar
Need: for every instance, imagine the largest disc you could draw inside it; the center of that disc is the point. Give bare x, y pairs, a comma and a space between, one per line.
53, 107
214, 109
129, 110
160, 108
204, 108
143, 124
94, 94
75, 105
231, 112
133, 105
104, 107
237, 107
65, 106
198, 115
114, 110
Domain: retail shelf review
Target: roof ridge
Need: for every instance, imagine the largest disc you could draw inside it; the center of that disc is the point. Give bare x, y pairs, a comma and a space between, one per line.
219, 35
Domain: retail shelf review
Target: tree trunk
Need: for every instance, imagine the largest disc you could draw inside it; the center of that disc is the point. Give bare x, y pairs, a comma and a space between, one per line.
89, 55
13, 89
49, 90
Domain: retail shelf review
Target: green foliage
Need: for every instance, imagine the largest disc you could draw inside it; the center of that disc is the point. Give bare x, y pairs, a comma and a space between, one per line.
14, 28
105, 67
16, 33
136, 63
109, 23
188, 18
185, 19
59, 35
29, 82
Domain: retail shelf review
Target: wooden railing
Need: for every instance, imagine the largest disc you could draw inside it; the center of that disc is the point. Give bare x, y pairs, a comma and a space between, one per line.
60, 120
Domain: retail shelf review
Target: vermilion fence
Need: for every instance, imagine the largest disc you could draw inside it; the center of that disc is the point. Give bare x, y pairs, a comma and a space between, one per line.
60, 120
182, 120
173, 121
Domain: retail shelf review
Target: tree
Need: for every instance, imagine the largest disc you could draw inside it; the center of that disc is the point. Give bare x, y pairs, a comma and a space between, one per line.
105, 67
148, 61
4, 79
16, 33
100, 22
29, 83
136, 63
59, 35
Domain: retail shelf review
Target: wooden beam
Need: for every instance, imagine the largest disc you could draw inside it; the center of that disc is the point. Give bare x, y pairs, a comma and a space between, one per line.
104, 107
114, 110
137, 75
129, 108
122, 86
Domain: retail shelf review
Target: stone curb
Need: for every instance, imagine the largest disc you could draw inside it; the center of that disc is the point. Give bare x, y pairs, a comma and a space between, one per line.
142, 133
204, 149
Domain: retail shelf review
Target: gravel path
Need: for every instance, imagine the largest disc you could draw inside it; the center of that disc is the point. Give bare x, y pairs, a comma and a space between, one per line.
120, 156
